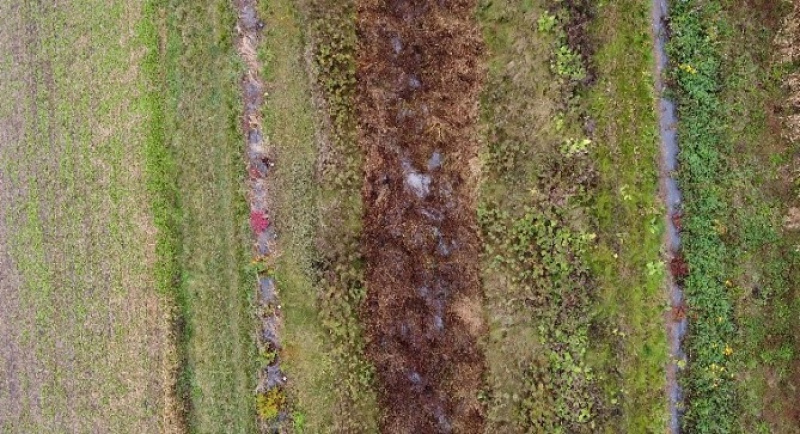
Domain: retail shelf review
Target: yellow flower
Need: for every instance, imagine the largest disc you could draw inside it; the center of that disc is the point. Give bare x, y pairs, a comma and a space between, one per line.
688, 68
728, 350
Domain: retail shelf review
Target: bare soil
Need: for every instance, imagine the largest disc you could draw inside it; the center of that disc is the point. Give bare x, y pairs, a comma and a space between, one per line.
418, 83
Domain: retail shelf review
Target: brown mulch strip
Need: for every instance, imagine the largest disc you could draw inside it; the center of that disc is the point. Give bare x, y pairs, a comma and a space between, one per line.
418, 82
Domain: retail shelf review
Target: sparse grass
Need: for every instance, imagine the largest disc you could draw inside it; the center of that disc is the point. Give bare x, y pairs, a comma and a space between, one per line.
517, 105
538, 292
89, 329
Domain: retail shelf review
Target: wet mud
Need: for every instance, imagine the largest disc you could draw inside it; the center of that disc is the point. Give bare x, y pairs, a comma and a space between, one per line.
418, 82
259, 166
676, 320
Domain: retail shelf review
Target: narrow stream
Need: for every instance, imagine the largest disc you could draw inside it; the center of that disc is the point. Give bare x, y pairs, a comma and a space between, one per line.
271, 379
676, 319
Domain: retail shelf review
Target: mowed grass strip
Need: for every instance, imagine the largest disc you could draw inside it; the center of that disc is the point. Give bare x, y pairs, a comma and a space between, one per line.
291, 136
203, 137
85, 346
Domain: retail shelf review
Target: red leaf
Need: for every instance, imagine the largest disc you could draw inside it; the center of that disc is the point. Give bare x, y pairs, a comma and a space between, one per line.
258, 221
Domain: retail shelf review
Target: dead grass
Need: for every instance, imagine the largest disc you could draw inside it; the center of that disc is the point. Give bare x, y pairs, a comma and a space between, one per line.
418, 79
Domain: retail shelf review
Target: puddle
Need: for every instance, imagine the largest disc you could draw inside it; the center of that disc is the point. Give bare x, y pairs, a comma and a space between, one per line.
670, 191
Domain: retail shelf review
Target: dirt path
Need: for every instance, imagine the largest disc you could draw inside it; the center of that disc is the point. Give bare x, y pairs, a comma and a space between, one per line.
418, 79
676, 321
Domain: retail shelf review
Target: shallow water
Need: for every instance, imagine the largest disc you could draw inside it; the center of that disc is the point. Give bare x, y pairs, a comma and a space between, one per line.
670, 191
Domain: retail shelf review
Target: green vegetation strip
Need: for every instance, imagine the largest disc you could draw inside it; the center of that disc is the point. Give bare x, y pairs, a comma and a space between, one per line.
708, 380
309, 119
289, 117
338, 236
205, 147
764, 257
627, 262
573, 273
743, 357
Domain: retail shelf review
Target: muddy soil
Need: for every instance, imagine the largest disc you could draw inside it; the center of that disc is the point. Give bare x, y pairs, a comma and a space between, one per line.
418, 82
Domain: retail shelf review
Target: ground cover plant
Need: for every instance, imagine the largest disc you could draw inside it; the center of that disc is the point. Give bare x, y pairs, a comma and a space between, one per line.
310, 119
740, 259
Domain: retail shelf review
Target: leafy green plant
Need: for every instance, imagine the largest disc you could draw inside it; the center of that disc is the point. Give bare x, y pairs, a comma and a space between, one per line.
299, 421
710, 406
542, 257
575, 147
566, 62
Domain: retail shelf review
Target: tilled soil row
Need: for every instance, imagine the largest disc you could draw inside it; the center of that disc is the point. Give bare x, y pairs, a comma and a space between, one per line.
418, 83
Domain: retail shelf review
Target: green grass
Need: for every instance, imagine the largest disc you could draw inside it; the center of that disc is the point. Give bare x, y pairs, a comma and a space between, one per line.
202, 112
289, 125
629, 217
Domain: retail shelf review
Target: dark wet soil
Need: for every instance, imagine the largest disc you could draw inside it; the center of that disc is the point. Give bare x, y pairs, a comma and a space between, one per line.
418, 81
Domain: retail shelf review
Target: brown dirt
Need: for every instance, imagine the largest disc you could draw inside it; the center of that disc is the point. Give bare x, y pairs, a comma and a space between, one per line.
419, 77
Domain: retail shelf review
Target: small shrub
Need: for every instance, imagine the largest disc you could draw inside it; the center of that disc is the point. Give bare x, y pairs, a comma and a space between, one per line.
269, 404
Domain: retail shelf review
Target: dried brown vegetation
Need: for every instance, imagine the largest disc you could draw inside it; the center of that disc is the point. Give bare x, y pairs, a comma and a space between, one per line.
419, 77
